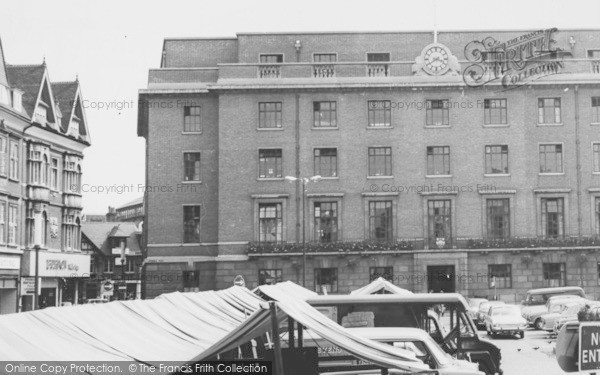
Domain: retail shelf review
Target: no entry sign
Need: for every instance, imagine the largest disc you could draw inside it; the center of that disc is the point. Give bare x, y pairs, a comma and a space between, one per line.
589, 346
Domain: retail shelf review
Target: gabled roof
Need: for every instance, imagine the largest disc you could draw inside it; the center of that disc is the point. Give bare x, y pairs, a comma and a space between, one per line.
99, 235
65, 94
27, 78
134, 202
3, 76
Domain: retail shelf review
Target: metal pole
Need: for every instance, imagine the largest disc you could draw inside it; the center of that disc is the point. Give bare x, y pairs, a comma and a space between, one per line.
278, 359
291, 338
36, 297
303, 233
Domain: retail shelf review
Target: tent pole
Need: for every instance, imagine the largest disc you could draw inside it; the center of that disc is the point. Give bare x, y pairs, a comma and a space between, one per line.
277, 343
291, 339
300, 334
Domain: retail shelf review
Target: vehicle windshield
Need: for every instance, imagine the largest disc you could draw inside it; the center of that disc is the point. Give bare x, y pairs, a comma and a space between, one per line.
484, 306
475, 302
571, 309
505, 311
439, 354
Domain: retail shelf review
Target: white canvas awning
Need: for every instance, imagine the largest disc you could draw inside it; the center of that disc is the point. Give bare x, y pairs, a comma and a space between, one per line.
378, 285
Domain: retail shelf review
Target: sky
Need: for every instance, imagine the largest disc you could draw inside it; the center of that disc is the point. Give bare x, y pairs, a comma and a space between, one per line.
111, 44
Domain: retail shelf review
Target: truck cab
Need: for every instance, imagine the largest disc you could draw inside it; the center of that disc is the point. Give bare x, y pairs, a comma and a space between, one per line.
453, 329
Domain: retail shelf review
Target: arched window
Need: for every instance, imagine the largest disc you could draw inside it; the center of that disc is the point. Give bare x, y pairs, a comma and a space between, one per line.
78, 178
77, 235
44, 179
44, 229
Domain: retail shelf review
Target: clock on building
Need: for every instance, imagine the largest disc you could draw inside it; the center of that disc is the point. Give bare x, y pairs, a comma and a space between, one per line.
436, 59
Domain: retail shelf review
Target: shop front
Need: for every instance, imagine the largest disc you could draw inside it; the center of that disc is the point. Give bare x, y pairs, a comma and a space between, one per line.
61, 278
10, 265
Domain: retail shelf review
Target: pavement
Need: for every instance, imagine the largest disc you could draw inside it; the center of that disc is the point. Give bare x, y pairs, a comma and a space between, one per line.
532, 355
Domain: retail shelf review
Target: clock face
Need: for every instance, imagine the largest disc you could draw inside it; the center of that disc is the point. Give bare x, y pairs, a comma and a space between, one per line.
436, 60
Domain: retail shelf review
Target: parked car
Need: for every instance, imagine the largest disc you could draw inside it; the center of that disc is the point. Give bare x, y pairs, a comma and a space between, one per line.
574, 318
484, 307
413, 339
567, 308
474, 306
553, 304
505, 320
535, 299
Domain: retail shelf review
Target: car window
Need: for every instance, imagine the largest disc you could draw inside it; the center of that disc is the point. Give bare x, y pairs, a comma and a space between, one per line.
505, 311
536, 299
416, 347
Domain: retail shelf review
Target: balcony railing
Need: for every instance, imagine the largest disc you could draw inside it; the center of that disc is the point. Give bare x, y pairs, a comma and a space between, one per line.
328, 247
324, 71
365, 69
531, 242
377, 70
473, 244
269, 71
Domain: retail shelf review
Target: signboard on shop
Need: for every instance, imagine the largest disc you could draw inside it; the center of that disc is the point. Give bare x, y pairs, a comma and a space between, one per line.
59, 264
10, 262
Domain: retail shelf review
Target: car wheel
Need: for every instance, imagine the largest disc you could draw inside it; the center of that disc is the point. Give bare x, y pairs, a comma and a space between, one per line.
522, 334
538, 324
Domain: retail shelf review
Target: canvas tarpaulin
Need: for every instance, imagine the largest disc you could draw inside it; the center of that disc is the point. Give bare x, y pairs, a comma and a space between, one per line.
378, 285
288, 305
177, 327
172, 327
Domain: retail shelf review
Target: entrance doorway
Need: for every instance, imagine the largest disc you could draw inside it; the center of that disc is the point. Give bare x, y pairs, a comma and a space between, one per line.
441, 279
47, 298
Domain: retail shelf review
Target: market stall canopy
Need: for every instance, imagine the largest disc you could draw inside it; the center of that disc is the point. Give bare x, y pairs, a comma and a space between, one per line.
284, 290
172, 327
176, 327
258, 324
380, 285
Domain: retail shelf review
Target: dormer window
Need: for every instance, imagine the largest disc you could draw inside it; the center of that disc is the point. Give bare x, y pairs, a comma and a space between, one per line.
119, 243
17, 100
4, 95
74, 127
40, 115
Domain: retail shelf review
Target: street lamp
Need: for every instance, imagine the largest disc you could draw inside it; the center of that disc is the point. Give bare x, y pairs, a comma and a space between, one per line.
304, 180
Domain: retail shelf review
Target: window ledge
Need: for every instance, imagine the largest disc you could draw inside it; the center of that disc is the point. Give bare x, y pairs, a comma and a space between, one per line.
596, 173
496, 175
191, 133
379, 127
496, 125
269, 129
437, 126
379, 177
325, 128
550, 124
438, 176
191, 182
551, 173
13, 179
595, 123
270, 179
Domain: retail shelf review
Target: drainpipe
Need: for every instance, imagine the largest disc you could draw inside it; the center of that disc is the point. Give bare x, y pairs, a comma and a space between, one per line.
578, 161
298, 181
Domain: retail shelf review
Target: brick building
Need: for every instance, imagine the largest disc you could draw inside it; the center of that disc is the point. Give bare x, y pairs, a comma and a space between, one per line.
452, 161
43, 132
115, 256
